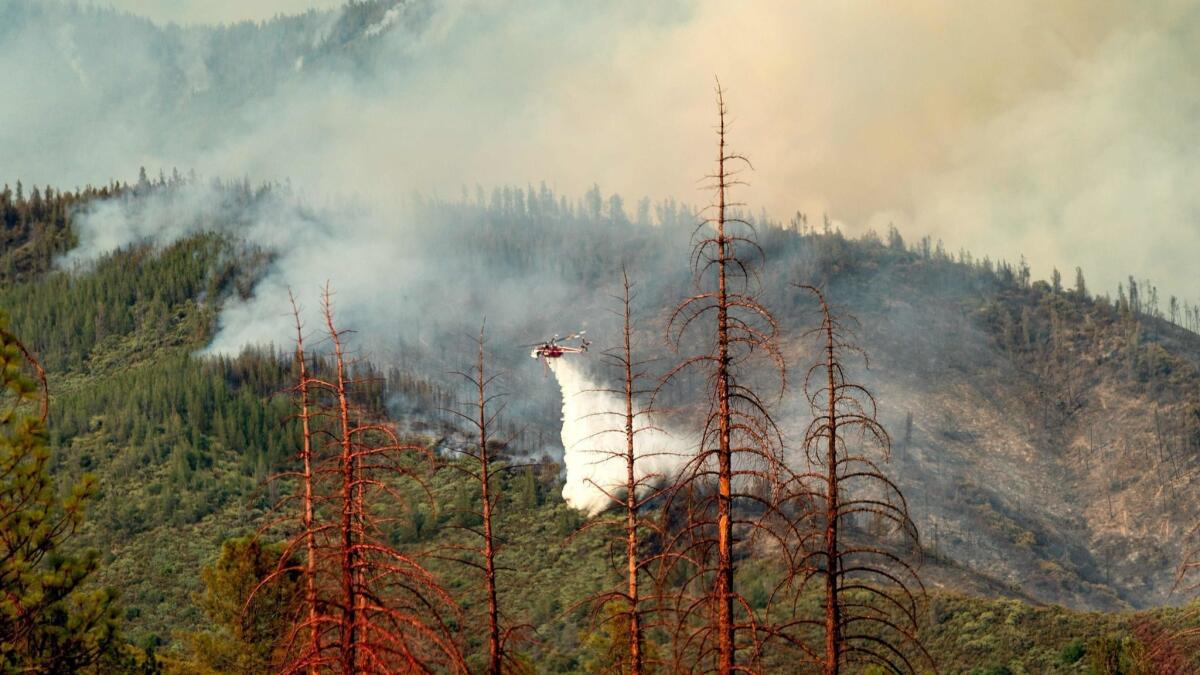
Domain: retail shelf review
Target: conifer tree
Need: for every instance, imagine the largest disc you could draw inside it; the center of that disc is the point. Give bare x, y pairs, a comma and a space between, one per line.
483, 468
740, 446
49, 622
623, 615
872, 595
237, 641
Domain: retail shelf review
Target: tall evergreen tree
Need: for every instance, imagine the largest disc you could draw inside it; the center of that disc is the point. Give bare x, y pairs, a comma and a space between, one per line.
49, 623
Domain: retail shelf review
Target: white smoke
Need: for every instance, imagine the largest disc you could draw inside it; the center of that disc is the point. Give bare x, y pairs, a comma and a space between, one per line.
1062, 131
193, 12
593, 437
390, 18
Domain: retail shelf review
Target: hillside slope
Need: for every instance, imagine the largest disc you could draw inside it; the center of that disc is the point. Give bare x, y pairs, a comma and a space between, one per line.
1048, 455
1053, 437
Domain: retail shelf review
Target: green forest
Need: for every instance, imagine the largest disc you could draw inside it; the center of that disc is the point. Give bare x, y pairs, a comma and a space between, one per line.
340, 336
160, 473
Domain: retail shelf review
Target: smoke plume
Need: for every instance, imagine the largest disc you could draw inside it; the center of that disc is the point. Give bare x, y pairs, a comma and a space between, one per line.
1062, 131
594, 438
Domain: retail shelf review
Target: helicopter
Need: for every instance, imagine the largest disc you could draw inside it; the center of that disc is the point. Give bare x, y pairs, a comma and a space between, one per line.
553, 349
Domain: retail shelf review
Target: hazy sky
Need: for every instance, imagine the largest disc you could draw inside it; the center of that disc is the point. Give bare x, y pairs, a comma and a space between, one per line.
1065, 131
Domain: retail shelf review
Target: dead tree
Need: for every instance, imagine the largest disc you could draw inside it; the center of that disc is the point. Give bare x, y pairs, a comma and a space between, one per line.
1187, 580
483, 467
739, 444
1187, 574
306, 490
871, 595
1165, 649
629, 495
367, 607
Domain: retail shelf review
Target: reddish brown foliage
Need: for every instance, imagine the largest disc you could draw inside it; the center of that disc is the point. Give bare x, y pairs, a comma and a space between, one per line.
1165, 651
367, 607
718, 499
872, 595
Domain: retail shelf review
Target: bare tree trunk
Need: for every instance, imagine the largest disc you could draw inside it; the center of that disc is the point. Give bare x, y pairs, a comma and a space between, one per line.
726, 645
351, 515
362, 618
306, 458
737, 428
631, 500
629, 494
483, 419
489, 551
833, 618
875, 625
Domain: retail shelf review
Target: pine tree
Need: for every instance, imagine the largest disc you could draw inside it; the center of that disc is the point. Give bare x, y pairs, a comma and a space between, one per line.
48, 621
238, 641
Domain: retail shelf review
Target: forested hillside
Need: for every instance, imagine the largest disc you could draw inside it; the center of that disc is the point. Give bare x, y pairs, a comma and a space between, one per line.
1097, 462
358, 368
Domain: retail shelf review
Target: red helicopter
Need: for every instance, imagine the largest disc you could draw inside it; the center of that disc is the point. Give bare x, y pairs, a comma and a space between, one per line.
551, 349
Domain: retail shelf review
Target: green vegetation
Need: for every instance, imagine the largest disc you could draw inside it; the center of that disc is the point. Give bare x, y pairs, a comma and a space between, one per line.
976, 636
238, 638
49, 620
171, 451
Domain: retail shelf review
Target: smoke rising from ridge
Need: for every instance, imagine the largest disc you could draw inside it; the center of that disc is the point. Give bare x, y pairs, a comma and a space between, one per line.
415, 282
217, 11
1063, 132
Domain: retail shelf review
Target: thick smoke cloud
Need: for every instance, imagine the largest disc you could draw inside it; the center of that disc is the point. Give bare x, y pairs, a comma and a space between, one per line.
402, 276
1061, 131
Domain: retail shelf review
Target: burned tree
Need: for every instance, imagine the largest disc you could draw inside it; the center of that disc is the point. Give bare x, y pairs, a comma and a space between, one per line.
483, 467
630, 495
305, 492
1187, 574
367, 607
871, 595
718, 497
1185, 641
